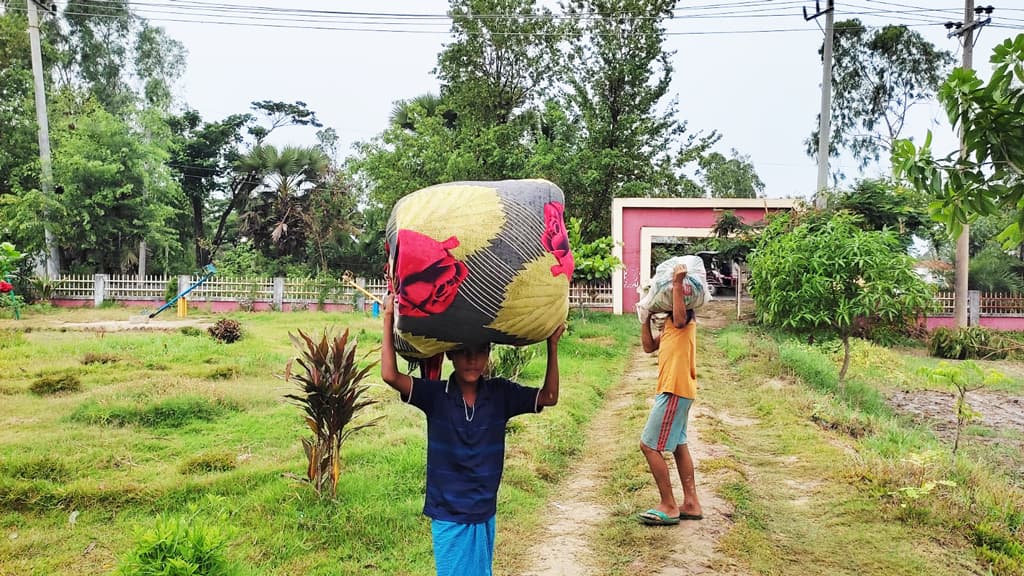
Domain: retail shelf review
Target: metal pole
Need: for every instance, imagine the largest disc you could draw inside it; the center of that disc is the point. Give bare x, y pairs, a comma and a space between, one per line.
46, 179
963, 241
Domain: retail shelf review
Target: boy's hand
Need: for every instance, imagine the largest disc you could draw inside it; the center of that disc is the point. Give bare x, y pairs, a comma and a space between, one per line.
557, 334
679, 272
389, 305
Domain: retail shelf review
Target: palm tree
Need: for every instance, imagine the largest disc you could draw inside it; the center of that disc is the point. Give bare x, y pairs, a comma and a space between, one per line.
275, 213
431, 104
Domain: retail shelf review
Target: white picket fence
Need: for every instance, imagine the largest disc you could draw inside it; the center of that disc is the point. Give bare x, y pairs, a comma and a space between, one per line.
277, 291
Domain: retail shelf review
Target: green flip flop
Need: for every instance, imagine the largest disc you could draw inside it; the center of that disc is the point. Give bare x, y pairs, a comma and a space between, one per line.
658, 518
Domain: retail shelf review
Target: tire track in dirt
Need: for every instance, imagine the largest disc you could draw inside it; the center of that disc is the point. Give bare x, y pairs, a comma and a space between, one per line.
567, 546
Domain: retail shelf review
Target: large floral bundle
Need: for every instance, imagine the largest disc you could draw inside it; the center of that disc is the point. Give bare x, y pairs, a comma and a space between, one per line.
475, 262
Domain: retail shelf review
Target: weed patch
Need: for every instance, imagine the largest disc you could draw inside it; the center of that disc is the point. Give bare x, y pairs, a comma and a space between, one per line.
168, 413
208, 462
99, 358
56, 384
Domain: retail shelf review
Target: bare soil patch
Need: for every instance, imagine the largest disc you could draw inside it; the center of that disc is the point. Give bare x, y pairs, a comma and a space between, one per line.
998, 411
567, 546
141, 323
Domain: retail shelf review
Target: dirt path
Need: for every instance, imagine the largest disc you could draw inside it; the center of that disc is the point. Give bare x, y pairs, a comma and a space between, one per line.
567, 548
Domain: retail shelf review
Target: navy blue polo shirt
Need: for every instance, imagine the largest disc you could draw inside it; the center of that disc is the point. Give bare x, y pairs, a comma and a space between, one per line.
466, 445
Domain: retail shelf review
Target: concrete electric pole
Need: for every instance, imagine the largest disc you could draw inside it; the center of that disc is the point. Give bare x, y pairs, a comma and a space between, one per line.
825, 118
46, 178
964, 30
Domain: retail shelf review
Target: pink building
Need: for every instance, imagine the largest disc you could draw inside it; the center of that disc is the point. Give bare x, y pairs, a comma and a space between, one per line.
636, 221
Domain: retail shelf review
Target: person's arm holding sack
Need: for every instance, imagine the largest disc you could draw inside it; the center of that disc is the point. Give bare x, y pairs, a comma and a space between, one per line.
680, 287
388, 359
548, 395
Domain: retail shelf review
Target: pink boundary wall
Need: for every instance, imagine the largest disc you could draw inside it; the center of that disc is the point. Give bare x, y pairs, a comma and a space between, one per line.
215, 306
1006, 323
631, 215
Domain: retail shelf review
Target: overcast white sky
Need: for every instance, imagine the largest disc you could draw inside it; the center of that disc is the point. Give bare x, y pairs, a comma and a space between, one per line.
747, 68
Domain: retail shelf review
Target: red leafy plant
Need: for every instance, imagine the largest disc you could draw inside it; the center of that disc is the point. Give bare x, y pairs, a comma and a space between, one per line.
331, 394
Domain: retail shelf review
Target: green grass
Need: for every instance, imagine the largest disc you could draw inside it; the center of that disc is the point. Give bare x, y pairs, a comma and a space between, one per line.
179, 417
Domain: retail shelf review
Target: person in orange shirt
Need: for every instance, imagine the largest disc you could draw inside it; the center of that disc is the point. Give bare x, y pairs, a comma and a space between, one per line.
666, 426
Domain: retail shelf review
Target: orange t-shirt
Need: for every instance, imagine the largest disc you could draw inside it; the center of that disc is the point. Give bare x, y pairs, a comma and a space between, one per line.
677, 360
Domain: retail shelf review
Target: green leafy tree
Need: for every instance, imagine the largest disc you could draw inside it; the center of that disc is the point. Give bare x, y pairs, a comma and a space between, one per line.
826, 273
201, 156
502, 55
878, 75
276, 215
883, 204
989, 177
117, 189
632, 143
733, 177
594, 260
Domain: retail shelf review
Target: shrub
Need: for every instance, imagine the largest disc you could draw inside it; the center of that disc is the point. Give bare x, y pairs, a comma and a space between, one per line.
99, 358
509, 361
968, 342
331, 393
49, 468
55, 384
168, 413
191, 331
179, 546
208, 462
226, 330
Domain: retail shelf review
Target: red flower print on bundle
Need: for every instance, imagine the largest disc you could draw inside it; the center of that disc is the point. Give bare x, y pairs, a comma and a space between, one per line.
5, 287
556, 240
427, 274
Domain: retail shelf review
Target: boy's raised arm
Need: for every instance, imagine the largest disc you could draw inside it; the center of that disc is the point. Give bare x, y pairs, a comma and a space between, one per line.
649, 341
548, 395
388, 360
679, 286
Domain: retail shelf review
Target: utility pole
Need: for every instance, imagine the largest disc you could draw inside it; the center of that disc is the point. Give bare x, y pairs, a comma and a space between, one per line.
964, 30
825, 118
46, 178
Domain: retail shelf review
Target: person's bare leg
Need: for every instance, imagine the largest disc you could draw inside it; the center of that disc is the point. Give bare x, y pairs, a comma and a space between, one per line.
659, 469
684, 464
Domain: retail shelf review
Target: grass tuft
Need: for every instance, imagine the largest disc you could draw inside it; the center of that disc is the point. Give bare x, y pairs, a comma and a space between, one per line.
56, 384
208, 462
168, 413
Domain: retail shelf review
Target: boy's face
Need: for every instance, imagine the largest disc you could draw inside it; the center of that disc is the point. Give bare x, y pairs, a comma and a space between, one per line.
470, 363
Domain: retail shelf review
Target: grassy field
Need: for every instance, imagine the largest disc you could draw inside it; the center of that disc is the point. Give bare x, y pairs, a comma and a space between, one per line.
823, 480
177, 425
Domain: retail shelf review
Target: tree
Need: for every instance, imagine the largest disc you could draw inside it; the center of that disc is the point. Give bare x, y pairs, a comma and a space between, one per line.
825, 273
502, 55
249, 169
201, 156
619, 78
989, 176
733, 177
107, 50
885, 205
877, 76
275, 215
117, 189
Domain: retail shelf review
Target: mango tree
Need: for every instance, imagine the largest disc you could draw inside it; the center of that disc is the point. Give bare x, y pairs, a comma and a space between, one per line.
823, 272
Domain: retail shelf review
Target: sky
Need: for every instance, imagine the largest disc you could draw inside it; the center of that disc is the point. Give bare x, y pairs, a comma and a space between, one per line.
749, 69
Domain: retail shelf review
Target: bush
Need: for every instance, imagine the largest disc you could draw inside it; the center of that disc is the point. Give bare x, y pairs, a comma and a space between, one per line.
55, 384
168, 413
968, 342
208, 462
191, 331
179, 546
509, 361
226, 330
99, 358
